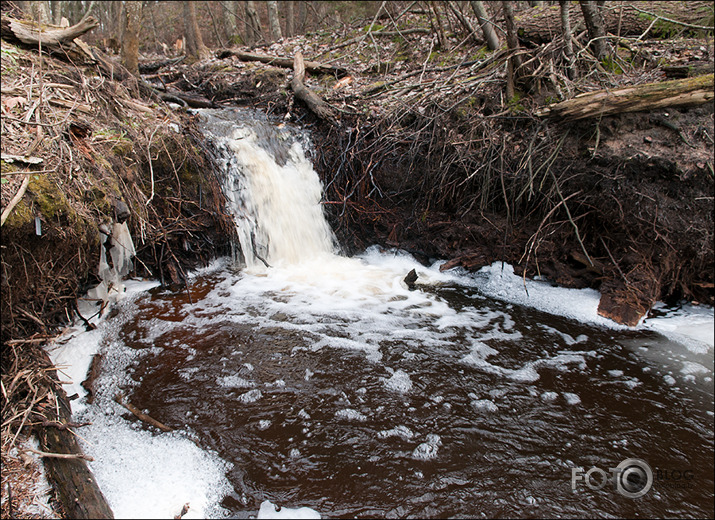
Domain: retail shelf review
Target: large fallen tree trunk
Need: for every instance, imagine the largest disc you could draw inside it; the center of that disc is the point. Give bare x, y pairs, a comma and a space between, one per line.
319, 107
75, 484
679, 92
542, 24
310, 66
52, 38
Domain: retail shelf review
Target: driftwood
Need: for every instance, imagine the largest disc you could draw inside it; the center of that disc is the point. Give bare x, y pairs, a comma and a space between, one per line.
543, 24
309, 66
316, 105
53, 38
679, 92
67, 469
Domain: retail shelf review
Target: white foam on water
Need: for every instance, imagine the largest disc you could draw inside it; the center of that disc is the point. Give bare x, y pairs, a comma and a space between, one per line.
398, 382
429, 449
571, 398
398, 431
251, 396
690, 325
484, 405
350, 414
148, 475
499, 281
235, 381
142, 474
269, 510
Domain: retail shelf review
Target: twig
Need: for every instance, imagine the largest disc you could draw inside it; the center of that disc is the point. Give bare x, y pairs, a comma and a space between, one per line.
670, 20
15, 199
60, 455
151, 168
119, 398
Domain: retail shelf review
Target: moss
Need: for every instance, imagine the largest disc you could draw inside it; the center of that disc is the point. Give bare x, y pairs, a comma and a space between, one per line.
49, 198
20, 216
6, 167
122, 148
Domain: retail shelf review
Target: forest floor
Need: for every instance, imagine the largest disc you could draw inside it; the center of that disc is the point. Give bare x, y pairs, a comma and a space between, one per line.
423, 151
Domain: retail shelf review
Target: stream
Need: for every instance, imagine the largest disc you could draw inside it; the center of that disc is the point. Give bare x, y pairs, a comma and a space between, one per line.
293, 374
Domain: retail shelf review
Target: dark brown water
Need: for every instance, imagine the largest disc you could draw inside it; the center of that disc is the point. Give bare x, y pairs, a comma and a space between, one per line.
374, 407
325, 382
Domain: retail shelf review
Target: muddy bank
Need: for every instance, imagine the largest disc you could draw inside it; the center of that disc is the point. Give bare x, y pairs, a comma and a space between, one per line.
623, 205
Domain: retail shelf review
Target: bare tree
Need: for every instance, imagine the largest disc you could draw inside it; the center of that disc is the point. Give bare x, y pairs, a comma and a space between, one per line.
512, 42
489, 33
130, 42
302, 17
253, 24
273, 21
194, 42
596, 31
566, 36
290, 20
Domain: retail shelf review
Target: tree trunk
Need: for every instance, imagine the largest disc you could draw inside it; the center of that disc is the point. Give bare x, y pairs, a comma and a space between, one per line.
302, 17
441, 36
253, 24
596, 30
511, 37
74, 483
290, 20
462, 19
489, 33
130, 43
273, 21
540, 24
566, 37
650, 96
195, 47
230, 21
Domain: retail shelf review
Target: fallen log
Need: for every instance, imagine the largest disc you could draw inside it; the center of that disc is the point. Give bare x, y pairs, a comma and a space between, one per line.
316, 105
190, 100
542, 24
148, 68
32, 34
58, 40
650, 96
310, 66
67, 469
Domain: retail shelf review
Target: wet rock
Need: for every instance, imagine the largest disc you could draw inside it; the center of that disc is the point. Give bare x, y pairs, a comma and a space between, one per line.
410, 279
121, 211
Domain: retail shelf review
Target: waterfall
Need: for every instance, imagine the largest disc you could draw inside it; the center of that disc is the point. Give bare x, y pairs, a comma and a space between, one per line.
272, 190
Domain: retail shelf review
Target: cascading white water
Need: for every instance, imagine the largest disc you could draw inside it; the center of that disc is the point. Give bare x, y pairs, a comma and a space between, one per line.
273, 192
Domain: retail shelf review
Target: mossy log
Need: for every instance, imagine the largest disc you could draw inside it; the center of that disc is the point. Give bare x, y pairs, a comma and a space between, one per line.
75, 484
542, 24
679, 92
